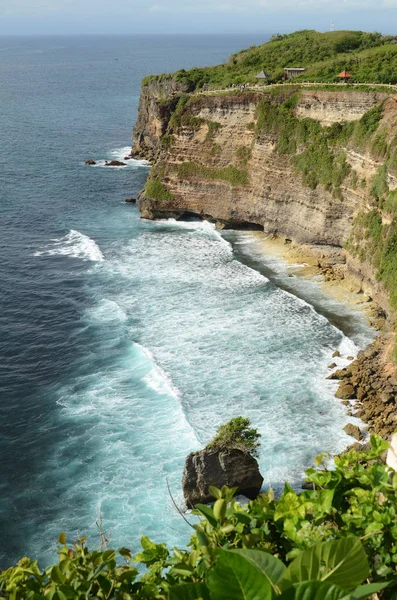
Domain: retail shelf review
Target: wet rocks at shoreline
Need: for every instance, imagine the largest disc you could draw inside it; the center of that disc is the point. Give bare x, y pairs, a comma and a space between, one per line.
372, 380
353, 431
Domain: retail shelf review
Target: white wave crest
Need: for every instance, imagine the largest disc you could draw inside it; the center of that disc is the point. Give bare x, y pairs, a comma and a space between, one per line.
74, 244
156, 378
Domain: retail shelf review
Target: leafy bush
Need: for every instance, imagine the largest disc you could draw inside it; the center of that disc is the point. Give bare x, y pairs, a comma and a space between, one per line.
336, 541
243, 154
237, 433
167, 140
368, 124
213, 127
377, 242
379, 185
390, 204
157, 191
230, 174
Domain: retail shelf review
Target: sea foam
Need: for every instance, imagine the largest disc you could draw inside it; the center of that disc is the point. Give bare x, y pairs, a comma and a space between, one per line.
74, 244
120, 154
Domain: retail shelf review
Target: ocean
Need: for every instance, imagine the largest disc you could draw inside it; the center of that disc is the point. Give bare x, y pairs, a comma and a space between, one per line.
124, 343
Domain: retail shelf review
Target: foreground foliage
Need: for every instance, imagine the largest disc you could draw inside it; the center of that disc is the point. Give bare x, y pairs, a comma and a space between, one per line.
335, 541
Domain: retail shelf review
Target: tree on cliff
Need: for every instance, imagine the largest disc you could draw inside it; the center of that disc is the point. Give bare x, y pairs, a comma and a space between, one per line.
237, 433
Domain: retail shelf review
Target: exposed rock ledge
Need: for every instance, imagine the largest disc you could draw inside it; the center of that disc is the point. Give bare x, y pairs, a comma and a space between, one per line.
232, 467
372, 380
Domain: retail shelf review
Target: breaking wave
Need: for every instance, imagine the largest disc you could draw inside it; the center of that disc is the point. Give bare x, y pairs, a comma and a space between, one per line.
74, 244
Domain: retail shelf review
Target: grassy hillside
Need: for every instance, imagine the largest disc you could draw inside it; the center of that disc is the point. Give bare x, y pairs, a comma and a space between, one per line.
370, 57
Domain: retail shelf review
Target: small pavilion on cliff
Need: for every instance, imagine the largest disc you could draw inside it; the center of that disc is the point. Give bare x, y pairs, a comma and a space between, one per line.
262, 75
345, 76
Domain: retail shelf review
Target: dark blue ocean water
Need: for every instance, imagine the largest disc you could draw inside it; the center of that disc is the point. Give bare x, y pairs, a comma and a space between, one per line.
123, 343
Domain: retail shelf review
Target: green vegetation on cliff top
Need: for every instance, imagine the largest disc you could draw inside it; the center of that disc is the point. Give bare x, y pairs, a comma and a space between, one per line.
334, 541
370, 57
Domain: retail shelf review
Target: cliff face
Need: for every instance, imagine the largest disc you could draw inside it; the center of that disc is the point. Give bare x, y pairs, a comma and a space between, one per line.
271, 194
290, 164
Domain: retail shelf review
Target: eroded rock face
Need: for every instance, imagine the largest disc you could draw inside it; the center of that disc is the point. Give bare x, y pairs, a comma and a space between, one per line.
234, 468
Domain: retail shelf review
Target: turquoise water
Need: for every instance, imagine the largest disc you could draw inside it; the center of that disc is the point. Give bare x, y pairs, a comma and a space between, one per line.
125, 343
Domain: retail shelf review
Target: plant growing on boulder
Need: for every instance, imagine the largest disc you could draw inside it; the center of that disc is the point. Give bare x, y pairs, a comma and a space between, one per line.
237, 433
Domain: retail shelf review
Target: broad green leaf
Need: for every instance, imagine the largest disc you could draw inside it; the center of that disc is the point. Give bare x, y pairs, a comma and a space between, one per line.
378, 444
342, 562
236, 578
270, 566
108, 555
182, 569
56, 575
215, 492
105, 585
189, 591
314, 590
208, 513
147, 544
201, 536
365, 591
62, 539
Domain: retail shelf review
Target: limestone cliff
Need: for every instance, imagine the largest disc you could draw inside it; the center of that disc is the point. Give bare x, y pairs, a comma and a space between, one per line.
315, 166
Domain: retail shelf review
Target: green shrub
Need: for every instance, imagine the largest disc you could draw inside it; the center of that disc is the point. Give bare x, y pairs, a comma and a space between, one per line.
367, 125
376, 242
387, 272
175, 119
167, 140
379, 146
243, 154
390, 204
213, 127
157, 191
237, 433
230, 174
379, 186
215, 149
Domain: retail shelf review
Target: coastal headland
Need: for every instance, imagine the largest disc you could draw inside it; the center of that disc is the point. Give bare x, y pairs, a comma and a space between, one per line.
313, 164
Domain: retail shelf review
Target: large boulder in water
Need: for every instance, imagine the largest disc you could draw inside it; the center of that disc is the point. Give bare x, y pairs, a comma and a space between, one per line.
233, 467
89, 161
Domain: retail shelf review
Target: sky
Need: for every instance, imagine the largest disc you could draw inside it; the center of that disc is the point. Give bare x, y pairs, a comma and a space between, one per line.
193, 16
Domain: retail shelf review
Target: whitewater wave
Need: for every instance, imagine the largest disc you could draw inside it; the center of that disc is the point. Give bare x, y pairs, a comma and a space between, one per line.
107, 311
120, 154
74, 244
157, 379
